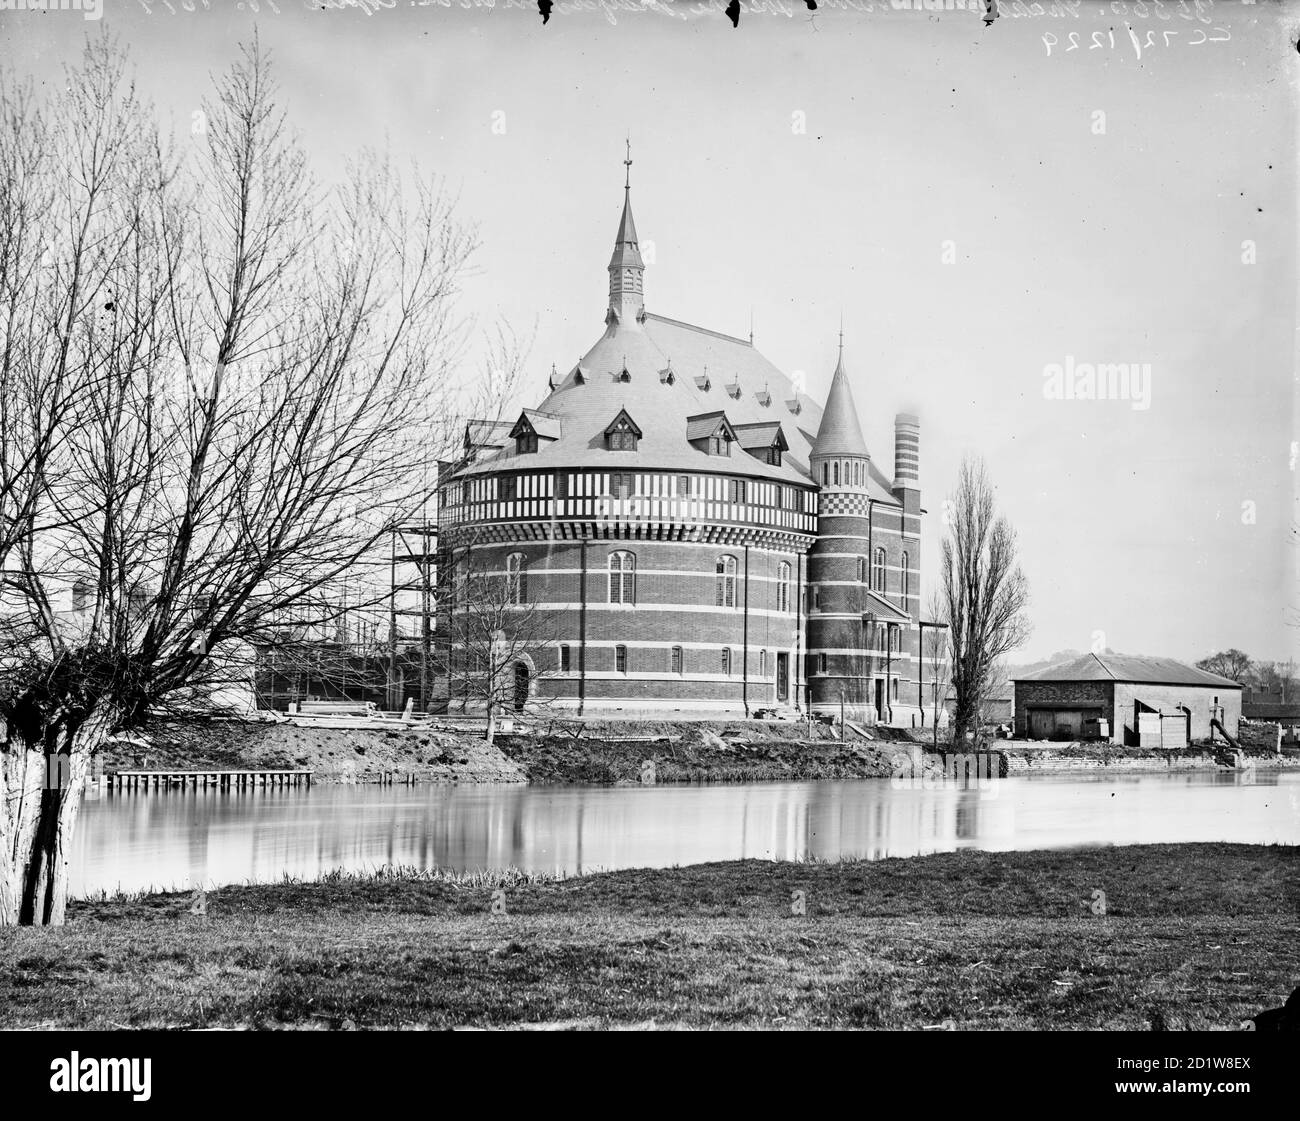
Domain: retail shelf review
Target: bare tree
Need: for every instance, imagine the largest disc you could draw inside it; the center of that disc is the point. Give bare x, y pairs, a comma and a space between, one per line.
985, 594
498, 637
1232, 663
934, 649
268, 365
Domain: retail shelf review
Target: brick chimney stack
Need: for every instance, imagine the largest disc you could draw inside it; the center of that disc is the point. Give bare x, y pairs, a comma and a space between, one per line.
907, 461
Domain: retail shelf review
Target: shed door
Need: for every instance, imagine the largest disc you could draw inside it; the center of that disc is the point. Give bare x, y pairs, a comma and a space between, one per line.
1042, 723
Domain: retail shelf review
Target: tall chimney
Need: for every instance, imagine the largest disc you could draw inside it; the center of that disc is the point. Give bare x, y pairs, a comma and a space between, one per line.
907, 452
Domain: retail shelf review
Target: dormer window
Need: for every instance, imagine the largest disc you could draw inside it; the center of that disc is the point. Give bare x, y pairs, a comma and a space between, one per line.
531, 428
733, 391
711, 433
703, 384
623, 375
765, 441
622, 433
764, 398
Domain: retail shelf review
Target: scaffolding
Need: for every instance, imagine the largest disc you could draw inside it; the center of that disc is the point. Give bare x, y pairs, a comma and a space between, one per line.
412, 584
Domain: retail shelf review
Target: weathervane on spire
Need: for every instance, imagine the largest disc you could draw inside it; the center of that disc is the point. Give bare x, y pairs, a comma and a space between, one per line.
627, 181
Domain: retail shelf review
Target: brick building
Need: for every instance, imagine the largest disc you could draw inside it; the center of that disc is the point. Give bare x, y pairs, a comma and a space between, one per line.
1144, 701
704, 537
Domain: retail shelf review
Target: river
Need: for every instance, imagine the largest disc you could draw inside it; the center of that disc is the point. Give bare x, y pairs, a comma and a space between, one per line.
177, 840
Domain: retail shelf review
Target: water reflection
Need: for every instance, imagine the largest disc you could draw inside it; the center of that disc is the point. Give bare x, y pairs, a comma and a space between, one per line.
180, 839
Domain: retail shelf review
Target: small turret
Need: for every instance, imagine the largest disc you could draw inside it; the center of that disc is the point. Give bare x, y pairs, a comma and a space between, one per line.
626, 268
839, 457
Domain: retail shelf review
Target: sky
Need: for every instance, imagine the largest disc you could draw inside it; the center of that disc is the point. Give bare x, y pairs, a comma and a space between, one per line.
990, 210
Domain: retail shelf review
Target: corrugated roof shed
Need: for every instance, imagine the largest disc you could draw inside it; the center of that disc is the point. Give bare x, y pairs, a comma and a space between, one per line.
1129, 668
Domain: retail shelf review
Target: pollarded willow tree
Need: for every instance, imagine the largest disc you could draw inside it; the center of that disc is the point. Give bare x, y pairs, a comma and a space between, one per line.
222, 384
984, 594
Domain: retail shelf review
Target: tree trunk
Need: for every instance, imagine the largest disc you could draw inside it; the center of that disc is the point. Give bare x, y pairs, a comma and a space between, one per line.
22, 786
49, 781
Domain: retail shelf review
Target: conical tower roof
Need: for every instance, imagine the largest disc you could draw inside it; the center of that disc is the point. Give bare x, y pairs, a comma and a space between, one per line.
840, 433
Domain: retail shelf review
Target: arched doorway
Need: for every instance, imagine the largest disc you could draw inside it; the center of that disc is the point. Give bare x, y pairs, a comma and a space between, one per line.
522, 678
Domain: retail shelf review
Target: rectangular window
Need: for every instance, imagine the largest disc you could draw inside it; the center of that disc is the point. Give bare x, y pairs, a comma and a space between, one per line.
726, 661
762, 663
566, 662
821, 663
683, 486
620, 486
677, 660
620, 659
561, 485
506, 488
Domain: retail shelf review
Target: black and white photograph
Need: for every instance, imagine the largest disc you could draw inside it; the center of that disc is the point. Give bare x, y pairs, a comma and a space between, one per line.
648, 515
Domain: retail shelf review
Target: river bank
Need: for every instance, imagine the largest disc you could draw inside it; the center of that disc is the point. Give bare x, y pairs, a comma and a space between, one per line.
609, 753
1187, 936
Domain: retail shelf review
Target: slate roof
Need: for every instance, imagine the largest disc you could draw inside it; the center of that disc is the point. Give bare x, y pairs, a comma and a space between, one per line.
840, 431
1129, 668
885, 611
742, 383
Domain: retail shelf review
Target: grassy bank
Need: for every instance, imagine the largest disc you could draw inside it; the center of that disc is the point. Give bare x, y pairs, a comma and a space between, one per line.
1200, 935
332, 754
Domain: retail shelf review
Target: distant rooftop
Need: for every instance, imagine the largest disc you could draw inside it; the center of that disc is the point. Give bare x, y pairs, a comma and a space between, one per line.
1129, 668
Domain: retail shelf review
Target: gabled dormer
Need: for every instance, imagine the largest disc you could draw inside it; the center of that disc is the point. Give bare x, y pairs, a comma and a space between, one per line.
622, 433
764, 440
483, 437
533, 430
711, 433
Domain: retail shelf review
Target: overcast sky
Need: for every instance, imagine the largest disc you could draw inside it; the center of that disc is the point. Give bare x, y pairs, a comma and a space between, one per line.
1072, 238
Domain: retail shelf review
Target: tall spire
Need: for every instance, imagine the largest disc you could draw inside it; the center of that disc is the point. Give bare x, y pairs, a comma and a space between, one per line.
626, 269
840, 433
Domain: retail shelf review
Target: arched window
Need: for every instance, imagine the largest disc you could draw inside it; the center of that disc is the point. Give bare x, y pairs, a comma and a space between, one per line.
762, 663
620, 659
726, 660
837, 474
826, 474
905, 580
783, 587
622, 577
676, 661
726, 569
878, 570
516, 578
862, 570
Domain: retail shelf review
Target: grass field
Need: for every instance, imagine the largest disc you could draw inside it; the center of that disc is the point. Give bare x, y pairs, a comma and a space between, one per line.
1200, 936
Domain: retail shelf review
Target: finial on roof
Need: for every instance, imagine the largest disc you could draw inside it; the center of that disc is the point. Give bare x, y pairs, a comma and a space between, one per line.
626, 268
751, 324
551, 381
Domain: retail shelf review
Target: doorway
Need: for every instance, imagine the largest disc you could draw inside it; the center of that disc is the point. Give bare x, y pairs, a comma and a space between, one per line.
880, 698
782, 677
